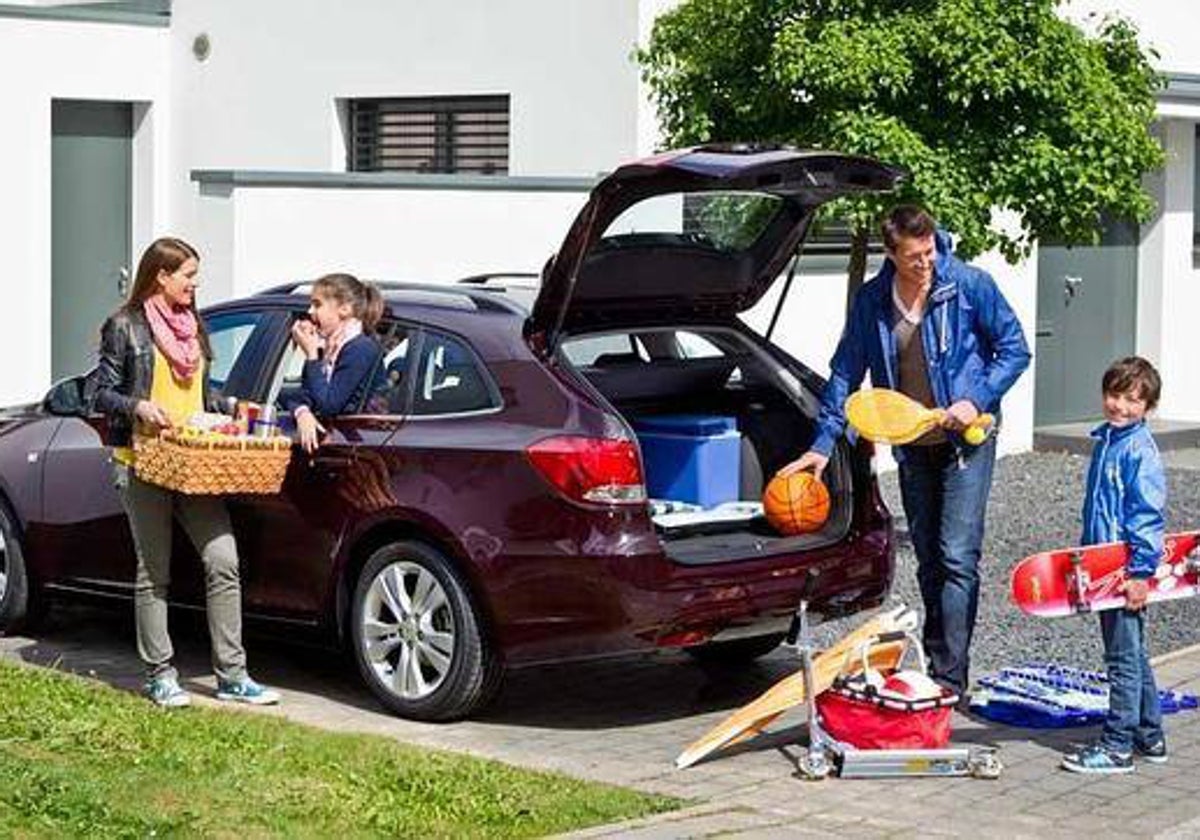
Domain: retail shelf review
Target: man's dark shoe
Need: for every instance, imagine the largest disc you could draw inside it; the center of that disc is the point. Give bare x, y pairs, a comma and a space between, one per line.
1155, 753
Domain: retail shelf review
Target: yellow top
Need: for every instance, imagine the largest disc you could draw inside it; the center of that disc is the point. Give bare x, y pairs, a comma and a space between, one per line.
179, 398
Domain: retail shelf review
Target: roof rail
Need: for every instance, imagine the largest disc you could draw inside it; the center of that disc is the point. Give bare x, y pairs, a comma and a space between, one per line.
482, 279
477, 293
382, 285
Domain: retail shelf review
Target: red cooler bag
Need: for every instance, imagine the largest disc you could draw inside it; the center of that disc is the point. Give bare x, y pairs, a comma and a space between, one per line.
867, 721
903, 711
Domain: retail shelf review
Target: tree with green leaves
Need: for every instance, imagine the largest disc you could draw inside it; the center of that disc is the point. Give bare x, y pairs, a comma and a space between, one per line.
990, 104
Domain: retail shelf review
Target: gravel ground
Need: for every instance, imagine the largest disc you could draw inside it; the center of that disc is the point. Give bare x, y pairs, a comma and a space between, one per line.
1036, 503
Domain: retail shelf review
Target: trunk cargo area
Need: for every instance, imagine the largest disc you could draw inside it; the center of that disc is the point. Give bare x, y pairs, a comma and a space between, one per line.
715, 418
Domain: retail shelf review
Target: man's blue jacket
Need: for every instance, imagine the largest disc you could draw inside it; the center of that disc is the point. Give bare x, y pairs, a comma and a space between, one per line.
974, 346
1126, 495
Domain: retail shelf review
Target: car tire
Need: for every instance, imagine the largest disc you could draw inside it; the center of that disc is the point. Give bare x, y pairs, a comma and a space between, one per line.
19, 606
418, 638
736, 651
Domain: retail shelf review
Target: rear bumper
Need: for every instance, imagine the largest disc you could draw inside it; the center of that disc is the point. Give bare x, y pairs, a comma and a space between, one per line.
748, 599
650, 603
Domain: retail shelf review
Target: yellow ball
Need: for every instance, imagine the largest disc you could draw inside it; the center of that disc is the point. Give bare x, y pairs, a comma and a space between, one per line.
975, 435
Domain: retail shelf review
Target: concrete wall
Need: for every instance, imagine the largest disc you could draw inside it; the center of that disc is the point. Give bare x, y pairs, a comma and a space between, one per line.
41, 60
266, 97
1169, 291
278, 234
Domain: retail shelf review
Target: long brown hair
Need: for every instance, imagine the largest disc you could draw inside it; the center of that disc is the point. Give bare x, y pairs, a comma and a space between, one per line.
364, 299
167, 253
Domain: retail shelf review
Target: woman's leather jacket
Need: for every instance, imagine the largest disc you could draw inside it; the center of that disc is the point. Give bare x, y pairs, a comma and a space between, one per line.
124, 373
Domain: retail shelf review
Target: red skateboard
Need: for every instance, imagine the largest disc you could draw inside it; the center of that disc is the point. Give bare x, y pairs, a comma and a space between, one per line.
1076, 580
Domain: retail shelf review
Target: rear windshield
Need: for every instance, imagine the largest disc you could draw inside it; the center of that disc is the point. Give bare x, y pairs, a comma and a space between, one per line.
722, 221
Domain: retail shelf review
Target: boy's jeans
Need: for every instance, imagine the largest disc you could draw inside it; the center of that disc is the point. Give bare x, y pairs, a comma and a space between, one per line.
1134, 715
944, 501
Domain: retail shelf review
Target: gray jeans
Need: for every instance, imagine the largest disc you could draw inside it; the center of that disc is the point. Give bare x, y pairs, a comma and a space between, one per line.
206, 521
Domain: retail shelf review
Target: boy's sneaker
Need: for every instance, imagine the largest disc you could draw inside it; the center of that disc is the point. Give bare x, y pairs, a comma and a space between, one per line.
1098, 759
246, 691
166, 692
1155, 753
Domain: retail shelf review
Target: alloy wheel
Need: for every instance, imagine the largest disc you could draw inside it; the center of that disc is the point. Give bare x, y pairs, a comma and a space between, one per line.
408, 630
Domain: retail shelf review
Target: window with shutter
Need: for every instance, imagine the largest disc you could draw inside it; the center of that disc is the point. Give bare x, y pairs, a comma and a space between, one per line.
465, 134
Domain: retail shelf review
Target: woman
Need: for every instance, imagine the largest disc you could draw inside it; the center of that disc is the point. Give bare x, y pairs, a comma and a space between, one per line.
152, 375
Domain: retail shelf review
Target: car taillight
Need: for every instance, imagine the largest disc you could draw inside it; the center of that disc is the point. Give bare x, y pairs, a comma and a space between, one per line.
587, 469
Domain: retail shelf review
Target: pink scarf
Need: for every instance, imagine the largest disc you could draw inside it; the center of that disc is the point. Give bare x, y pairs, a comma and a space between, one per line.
350, 329
176, 334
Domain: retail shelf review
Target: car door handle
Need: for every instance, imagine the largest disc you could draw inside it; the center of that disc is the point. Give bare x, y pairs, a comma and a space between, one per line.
1071, 288
331, 463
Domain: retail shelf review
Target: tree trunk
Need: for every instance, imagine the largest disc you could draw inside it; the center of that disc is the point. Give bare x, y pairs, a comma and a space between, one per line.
857, 269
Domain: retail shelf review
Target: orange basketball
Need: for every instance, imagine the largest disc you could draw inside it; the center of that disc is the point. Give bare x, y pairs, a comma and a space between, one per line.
796, 503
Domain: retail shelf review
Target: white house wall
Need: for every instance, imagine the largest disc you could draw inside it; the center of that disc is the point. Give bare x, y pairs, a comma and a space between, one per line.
1173, 297
1168, 282
42, 60
265, 97
283, 235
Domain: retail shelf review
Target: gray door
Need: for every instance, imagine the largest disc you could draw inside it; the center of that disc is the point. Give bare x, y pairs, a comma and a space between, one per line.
1086, 318
90, 208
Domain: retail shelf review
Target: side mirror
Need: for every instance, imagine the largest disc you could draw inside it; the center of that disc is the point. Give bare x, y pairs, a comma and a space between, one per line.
66, 398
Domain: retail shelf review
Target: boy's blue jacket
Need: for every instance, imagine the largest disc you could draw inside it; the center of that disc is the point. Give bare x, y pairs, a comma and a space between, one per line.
1126, 494
974, 346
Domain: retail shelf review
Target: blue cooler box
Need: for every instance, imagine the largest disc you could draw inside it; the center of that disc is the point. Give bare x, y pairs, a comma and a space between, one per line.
690, 457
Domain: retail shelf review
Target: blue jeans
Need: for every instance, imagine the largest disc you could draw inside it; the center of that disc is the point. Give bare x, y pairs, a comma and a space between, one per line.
945, 498
1134, 715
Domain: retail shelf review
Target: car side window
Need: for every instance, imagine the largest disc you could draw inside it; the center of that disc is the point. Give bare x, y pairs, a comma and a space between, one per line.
389, 387
228, 334
450, 379
589, 350
387, 393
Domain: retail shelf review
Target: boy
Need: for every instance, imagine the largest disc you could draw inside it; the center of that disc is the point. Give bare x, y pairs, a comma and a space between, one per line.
1124, 501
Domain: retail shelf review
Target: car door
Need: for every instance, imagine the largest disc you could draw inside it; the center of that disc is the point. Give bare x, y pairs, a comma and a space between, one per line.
93, 547
289, 542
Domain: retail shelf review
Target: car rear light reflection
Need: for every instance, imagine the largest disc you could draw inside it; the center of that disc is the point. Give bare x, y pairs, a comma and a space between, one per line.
586, 469
685, 638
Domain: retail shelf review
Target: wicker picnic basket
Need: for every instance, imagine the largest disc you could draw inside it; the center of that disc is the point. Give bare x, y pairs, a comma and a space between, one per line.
213, 465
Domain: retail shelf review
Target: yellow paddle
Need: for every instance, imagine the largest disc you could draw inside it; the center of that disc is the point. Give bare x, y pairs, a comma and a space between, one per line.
887, 416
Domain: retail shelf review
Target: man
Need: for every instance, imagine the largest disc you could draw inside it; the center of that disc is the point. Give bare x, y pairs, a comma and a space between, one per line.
938, 330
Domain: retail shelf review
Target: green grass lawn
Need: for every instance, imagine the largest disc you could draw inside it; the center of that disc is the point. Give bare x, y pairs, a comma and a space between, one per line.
78, 758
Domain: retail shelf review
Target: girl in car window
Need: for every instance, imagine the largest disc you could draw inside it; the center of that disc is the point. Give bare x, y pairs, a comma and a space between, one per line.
152, 375
340, 351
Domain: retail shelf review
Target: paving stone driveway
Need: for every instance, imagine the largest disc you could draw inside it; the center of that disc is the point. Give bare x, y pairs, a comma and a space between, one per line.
624, 722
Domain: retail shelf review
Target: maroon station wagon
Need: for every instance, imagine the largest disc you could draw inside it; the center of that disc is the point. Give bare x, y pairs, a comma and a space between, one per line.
502, 498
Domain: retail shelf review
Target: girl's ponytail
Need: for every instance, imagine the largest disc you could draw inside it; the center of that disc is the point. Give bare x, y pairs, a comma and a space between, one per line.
372, 307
